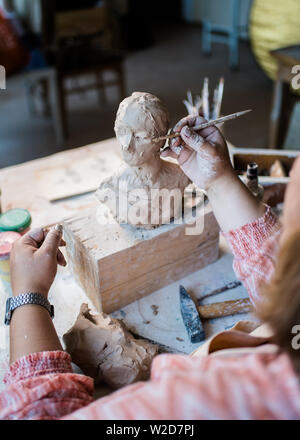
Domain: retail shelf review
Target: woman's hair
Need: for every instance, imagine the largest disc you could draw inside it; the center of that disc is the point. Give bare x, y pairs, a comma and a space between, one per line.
281, 306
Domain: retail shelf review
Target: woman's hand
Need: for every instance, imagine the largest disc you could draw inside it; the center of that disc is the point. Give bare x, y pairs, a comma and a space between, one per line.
205, 160
34, 261
204, 156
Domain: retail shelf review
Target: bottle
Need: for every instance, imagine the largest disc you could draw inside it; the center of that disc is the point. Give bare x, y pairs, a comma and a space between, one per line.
6, 242
252, 181
16, 220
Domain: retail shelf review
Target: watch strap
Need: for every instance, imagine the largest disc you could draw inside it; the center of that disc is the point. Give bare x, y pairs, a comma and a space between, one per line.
26, 299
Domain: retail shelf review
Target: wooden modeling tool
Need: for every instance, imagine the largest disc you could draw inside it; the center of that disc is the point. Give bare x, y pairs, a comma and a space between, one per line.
229, 286
205, 99
218, 98
208, 124
193, 106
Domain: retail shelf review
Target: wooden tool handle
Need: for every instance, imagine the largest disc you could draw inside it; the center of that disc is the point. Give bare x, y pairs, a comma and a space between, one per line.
208, 124
227, 308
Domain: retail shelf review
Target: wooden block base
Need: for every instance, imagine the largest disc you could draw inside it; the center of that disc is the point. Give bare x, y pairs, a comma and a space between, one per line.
118, 264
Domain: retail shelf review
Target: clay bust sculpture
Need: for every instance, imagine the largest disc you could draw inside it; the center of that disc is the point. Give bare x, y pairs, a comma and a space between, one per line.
141, 119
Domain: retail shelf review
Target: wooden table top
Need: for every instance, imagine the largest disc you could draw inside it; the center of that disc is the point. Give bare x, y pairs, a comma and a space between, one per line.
288, 56
58, 187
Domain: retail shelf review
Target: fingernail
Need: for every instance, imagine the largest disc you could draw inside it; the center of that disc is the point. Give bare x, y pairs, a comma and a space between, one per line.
35, 233
59, 228
187, 131
177, 150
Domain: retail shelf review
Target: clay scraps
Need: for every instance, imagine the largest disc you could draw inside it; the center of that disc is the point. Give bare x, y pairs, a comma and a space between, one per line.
105, 350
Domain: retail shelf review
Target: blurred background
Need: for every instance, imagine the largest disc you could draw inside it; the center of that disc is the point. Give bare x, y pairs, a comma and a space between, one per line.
69, 63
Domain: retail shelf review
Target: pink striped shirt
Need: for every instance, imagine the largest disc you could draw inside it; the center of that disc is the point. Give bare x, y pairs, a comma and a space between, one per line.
240, 386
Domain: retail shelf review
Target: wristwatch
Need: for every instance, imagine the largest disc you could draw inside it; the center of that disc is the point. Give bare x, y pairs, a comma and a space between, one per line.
26, 299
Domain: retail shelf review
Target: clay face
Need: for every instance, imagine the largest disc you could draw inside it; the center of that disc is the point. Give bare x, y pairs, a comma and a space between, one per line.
141, 118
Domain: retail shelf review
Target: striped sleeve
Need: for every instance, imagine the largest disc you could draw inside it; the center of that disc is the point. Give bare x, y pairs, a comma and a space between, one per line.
210, 388
254, 247
42, 386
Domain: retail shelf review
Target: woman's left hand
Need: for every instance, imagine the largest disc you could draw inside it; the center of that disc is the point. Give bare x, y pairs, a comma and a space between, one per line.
34, 261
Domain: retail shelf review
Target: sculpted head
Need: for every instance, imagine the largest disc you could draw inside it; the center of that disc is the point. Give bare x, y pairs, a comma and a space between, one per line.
141, 118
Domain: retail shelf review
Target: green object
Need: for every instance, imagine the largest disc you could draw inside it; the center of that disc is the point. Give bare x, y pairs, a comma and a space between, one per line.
17, 220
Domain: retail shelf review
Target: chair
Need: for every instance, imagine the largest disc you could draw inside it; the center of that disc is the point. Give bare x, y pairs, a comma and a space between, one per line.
211, 35
37, 75
47, 79
81, 42
284, 98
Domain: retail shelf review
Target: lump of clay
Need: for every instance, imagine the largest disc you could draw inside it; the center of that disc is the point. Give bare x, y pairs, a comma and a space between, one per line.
104, 350
133, 194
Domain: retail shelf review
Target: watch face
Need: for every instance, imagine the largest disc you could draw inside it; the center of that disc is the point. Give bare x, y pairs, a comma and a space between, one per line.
7, 318
8, 312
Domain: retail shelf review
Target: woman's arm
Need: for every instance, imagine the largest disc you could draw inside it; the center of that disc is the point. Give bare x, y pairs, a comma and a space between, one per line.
232, 202
40, 382
251, 229
33, 268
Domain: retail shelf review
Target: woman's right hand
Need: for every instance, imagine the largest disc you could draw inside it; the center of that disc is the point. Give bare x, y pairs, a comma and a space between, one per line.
204, 156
